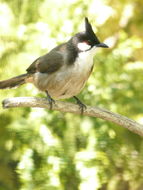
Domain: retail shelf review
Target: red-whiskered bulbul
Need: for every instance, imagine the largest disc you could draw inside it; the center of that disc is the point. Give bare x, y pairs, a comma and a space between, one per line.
63, 71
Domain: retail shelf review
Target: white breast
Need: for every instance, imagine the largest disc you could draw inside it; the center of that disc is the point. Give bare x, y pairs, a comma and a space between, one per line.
69, 80
85, 60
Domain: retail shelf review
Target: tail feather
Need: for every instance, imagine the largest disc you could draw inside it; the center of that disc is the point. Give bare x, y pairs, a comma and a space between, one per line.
13, 82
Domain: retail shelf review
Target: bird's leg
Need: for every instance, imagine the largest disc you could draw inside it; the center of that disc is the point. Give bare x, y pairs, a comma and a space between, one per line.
50, 100
82, 106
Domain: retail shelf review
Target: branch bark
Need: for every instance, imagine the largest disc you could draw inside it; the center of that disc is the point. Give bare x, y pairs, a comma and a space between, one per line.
73, 108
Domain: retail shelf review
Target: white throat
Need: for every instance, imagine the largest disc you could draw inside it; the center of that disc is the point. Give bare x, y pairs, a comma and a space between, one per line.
84, 60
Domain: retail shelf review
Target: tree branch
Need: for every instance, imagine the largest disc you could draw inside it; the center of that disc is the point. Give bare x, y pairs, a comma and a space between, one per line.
73, 108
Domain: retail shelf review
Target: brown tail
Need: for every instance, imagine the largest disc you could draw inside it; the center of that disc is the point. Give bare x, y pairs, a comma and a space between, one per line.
13, 82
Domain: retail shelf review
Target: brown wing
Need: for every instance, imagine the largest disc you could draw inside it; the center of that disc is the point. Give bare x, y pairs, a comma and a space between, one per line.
48, 63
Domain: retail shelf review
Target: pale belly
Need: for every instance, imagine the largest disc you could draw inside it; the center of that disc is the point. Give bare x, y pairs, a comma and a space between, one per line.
61, 84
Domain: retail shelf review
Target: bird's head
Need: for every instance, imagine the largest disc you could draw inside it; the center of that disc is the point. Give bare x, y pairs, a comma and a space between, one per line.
86, 40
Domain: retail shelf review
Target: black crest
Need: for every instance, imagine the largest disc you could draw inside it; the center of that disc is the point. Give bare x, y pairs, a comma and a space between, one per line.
89, 31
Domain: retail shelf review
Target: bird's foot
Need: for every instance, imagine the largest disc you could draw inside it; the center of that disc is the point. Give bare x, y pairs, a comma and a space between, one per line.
50, 100
82, 106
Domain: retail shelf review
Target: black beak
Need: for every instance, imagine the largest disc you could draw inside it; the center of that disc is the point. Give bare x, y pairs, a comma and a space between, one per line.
102, 45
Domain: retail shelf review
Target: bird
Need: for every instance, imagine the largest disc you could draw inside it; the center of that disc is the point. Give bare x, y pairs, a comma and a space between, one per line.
62, 72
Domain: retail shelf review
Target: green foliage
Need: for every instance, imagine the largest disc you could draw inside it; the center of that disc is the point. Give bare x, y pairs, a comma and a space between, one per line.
48, 150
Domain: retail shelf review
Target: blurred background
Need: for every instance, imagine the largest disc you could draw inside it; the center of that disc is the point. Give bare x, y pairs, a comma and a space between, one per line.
49, 150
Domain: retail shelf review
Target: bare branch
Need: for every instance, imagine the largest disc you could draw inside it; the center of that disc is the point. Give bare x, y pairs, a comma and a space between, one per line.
73, 108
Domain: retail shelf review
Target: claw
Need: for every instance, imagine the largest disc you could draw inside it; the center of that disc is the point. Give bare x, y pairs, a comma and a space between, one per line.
50, 100
82, 106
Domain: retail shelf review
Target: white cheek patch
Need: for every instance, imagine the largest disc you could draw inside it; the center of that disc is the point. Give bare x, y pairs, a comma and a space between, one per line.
83, 46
